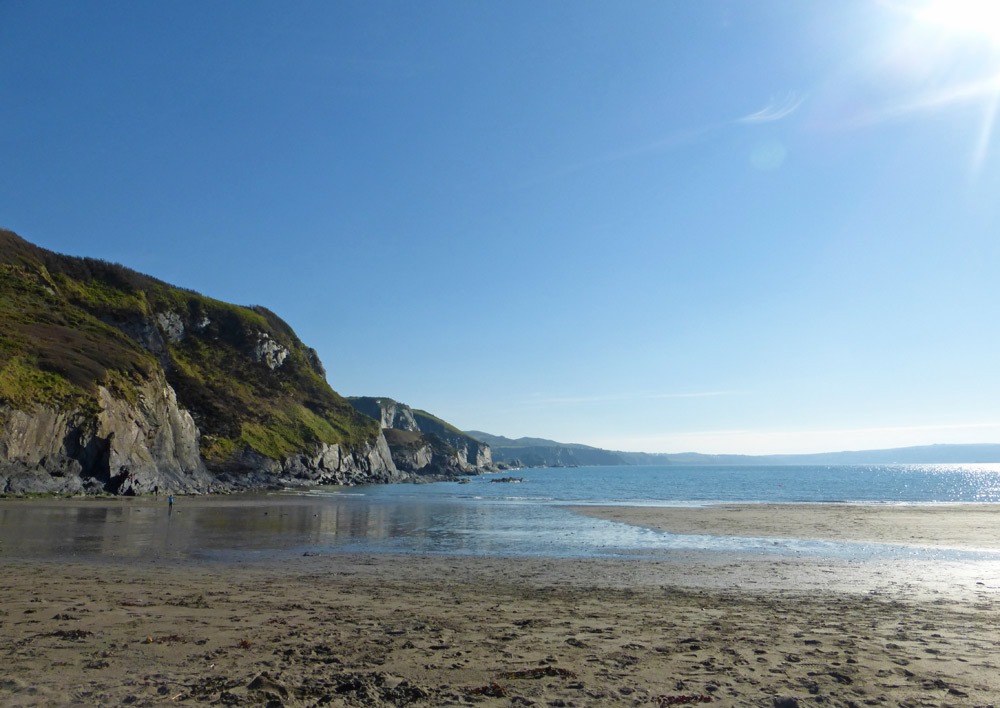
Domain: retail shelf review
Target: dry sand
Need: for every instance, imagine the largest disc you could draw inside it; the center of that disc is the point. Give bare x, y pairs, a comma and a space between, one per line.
701, 629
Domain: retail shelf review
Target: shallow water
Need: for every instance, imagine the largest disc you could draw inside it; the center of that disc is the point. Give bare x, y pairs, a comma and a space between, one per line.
530, 518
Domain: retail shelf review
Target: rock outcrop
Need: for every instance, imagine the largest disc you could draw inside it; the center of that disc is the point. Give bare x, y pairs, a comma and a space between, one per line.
390, 414
422, 443
121, 447
329, 464
470, 453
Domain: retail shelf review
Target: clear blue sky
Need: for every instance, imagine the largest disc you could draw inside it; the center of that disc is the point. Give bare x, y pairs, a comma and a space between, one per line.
720, 226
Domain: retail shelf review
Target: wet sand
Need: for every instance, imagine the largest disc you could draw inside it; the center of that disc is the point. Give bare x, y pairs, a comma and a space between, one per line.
381, 630
968, 526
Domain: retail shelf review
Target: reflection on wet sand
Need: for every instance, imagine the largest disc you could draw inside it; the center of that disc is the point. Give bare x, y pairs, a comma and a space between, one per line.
199, 527
248, 527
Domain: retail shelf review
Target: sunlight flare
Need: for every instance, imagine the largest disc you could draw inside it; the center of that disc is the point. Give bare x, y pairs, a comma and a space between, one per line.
967, 17
945, 53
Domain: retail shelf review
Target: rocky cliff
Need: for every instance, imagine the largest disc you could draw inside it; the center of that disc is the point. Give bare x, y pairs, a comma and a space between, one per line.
422, 443
118, 446
113, 381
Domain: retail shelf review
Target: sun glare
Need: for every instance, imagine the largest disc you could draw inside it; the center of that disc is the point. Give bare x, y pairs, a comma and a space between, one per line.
964, 17
952, 48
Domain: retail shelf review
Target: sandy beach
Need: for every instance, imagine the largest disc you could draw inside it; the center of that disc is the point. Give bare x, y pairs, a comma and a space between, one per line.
384, 630
969, 526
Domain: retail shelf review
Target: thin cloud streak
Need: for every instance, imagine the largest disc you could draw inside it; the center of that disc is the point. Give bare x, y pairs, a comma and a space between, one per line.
774, 111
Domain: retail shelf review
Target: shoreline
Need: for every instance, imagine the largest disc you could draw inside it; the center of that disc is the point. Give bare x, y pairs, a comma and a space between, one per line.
959, 526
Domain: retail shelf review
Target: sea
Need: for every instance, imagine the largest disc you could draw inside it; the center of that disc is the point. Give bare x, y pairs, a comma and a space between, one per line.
532, 516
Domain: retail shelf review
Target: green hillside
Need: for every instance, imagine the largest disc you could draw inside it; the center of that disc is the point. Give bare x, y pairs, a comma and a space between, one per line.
72, 325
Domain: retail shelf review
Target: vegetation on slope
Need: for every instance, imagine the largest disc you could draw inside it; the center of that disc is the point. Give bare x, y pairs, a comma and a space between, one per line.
73, 324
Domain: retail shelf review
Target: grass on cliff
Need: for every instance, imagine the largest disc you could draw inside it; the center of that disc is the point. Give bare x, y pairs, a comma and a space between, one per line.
52, 353
242, 403
24, 385
64, 321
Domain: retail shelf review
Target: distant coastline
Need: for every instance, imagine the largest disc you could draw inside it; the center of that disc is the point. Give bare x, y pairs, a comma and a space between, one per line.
539, 452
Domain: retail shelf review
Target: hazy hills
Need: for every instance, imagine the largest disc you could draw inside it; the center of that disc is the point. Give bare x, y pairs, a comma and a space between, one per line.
538, 452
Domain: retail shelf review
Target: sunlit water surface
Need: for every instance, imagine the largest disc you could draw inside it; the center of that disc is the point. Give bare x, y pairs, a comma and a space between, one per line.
530, 518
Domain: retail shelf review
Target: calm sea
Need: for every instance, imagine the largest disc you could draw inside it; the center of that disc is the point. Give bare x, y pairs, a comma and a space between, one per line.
664, 485
483, 517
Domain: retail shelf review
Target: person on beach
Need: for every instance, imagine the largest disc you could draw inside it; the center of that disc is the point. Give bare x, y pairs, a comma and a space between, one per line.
170, 503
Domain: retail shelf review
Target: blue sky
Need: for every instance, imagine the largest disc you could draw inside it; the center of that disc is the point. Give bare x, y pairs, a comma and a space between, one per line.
720, 226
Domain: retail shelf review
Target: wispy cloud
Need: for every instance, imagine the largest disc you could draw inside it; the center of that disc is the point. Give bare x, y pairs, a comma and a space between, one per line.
775, 110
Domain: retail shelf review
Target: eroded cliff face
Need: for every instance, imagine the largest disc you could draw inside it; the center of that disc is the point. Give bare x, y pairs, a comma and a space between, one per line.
151, 446
390, 414
423, 444
138, 446
414, 459
474, 455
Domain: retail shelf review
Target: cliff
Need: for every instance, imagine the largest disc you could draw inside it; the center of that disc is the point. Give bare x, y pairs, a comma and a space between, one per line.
113, 381
422, 443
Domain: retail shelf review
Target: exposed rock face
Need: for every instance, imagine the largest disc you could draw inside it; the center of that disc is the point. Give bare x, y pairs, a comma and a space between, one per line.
473, 455
138, 447
152, 443
416, 459
469, 453
47, 451
152, 446
389, 413
330, 464
172, 325
424, 444
412, 451
270, 352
